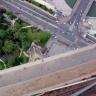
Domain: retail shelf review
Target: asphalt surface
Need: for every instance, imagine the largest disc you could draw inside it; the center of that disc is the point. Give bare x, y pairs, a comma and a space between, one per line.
79, 12
34, 8
41, 14
48, 23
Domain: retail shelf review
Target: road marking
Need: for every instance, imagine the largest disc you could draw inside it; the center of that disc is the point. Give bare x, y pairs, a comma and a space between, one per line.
32, 10
30, 14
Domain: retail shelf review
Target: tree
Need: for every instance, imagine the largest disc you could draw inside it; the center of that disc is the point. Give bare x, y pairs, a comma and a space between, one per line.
1, 65
10, 14
17, 26
22, 37
3, 26
13, 61
16, 49
25, 45
8, 46
44, 7
19, 21
2, 10
1, 47
1, 18
2, 33
16, 35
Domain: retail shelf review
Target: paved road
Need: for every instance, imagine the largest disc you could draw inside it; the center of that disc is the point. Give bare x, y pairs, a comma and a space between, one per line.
79, 12
61, 30
31, 9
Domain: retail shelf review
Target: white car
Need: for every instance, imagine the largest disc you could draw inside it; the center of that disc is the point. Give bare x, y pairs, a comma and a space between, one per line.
72, 33
55, 37
56, 21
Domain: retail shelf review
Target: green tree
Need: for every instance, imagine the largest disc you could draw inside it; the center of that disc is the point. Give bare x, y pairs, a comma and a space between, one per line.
2, 10
16, 49
2, 33
8, 46
1, 47
1, 18
10, 14
19, 21
13, 61
22, 37
26, 45
17, 26
1, 66
3, 26
44, 7
16, 35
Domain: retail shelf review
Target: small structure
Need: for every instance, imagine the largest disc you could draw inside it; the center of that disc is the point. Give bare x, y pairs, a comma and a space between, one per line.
92, 32
58, 13
34, 53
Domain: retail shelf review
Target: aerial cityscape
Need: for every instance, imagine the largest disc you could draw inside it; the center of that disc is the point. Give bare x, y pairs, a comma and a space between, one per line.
47, 47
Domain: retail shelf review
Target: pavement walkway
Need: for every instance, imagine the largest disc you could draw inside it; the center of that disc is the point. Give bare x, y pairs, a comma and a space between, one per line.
49, 65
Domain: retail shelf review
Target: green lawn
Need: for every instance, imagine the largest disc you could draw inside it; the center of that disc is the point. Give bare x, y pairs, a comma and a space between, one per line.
38, 35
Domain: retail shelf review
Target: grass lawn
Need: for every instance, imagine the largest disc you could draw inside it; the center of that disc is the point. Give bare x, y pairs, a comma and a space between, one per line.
37, 35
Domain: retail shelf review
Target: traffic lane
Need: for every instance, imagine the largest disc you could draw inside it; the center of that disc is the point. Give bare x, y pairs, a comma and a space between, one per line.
80, 13
75, 13
67, 36
81, 44
78, 10
32, 12
36, 9
44, 24
39, 22
50, 28
34, 19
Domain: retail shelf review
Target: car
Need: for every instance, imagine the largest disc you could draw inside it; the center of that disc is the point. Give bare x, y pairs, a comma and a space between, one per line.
62, 31
72, 33
80, 14
55, 36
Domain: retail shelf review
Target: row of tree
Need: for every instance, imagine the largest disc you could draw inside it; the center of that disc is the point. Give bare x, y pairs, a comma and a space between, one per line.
41, 6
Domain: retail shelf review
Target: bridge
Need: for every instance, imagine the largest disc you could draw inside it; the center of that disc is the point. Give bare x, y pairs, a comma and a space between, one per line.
80, 11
